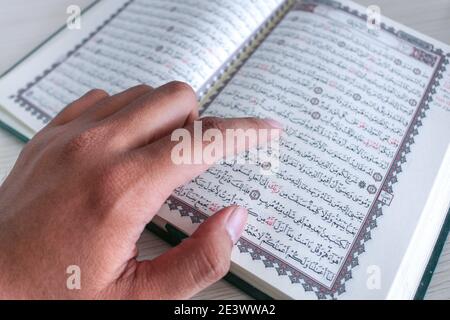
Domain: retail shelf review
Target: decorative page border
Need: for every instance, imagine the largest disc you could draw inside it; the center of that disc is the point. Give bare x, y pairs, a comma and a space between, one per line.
424, 52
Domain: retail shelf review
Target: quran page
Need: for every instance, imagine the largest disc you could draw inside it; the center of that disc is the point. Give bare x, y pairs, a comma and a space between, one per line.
367, 123
137, 41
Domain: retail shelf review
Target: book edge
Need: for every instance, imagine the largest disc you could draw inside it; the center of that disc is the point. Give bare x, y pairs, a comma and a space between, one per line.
434, 259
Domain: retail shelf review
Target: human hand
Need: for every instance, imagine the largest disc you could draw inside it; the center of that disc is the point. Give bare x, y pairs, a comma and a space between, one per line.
83, 190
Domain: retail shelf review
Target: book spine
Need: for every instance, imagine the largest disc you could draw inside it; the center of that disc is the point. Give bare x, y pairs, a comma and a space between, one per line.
222, 76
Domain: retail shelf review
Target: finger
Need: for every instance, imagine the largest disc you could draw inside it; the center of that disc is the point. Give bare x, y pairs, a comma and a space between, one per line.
167, 164
110, 106
196, 263
156, 114
78, 107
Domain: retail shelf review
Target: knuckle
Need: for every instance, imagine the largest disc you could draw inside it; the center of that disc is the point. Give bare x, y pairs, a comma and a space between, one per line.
98, 93
82, 142
180, 86
183, 89
213, 264
143, 87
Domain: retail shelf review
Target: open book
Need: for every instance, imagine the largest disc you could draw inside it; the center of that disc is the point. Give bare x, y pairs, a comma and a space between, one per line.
357, 207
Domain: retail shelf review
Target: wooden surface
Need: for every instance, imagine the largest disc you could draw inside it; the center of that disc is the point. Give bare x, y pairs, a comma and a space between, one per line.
24, 24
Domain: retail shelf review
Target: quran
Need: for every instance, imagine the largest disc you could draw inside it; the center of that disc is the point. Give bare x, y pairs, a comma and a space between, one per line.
357, 208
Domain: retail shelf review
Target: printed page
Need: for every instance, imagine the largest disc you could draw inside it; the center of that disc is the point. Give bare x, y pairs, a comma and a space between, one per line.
139, 41
355, 102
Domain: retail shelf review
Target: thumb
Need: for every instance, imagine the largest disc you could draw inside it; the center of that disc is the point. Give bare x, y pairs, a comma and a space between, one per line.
196, 263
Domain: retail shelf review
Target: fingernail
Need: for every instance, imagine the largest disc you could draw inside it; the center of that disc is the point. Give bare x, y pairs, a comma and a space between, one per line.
274, 123
236, 223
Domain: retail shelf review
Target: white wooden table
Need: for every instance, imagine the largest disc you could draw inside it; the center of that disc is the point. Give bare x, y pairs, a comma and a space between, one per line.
24, 24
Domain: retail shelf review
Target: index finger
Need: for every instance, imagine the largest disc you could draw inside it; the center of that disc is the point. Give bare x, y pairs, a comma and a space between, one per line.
176, 159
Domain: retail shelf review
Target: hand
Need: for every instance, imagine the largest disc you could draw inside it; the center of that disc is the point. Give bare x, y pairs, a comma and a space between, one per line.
83, 190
